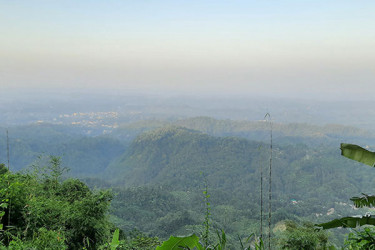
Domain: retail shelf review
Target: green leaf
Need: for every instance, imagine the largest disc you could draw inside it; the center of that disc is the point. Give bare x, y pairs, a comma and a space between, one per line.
222, 240
364, 200
351, 222
115, 240
175, 243
358, 153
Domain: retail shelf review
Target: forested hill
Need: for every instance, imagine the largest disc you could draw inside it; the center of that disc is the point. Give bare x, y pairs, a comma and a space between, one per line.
170, 165
179, 156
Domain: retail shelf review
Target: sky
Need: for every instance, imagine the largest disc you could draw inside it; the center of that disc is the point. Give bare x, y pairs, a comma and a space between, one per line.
312, 49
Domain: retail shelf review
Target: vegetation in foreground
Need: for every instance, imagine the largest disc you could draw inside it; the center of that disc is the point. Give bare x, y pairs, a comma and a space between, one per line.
41, 210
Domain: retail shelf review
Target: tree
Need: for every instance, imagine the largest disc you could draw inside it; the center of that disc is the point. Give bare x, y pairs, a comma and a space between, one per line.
49, 213
364, 239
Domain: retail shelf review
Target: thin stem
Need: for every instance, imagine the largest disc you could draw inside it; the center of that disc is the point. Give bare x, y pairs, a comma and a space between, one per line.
207, 215
270, 183
9, 202
8, 150
261, 200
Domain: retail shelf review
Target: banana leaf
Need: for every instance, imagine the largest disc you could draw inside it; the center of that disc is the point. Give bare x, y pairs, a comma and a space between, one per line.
364, 201
351, 222
178, 243
358, 153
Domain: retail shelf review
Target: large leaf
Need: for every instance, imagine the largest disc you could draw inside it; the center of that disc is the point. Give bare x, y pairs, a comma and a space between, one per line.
115, 240
358, 153
351, 222
178, 243
364, 200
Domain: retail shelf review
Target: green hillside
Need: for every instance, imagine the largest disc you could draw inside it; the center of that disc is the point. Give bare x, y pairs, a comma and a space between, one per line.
176, 156
169, 165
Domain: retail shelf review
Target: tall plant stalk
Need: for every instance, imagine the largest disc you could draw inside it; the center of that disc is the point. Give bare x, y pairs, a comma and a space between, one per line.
207, 214
270, 183
261, 198
8, 150
9, 202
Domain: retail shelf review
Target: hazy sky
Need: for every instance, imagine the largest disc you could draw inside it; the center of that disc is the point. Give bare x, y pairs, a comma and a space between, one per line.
285, 48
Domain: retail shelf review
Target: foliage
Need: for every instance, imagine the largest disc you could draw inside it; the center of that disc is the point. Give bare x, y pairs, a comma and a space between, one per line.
362, 155
115, 240
361, 240
49, 213
175, 243
192, 242
138, 240
358, 153
351, 222
3, 201
42, 239
363, 201
250, 241
154, 210
301, 236
222, 238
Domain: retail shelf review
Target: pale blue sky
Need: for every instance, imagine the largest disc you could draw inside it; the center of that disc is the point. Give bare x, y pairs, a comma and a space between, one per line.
285, 48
